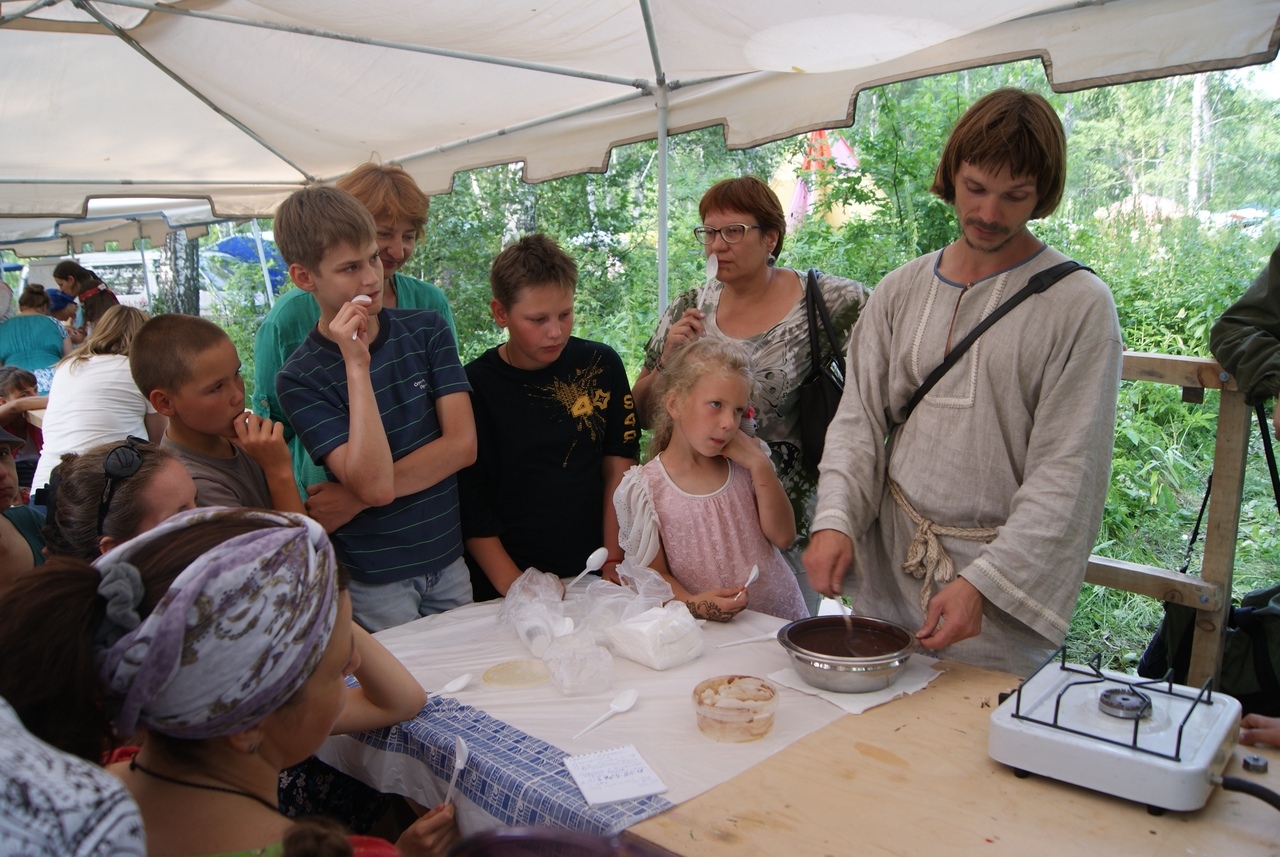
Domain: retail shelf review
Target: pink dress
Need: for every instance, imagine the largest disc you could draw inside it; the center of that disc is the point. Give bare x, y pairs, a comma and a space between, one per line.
711, 540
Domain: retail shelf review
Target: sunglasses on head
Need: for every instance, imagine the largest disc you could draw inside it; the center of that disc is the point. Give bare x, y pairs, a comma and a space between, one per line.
120, 463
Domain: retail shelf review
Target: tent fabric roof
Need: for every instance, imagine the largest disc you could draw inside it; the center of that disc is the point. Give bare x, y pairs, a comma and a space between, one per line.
120, 220
243, 101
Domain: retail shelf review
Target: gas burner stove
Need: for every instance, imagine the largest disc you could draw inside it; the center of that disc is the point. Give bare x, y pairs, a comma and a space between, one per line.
1154, 742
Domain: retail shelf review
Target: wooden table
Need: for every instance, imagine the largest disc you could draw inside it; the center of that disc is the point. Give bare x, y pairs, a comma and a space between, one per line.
913, 778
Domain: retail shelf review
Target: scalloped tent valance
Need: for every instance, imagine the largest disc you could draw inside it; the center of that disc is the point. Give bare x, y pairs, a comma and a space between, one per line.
242, 101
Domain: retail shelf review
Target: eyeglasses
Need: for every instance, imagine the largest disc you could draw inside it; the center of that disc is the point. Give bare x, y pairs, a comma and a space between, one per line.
732, 233
120, 463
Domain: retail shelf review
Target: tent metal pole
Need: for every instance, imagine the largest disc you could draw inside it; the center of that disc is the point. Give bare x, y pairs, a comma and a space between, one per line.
262, 262
662, 198
146, 269
660, 91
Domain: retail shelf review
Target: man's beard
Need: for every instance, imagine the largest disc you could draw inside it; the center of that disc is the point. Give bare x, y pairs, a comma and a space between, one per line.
998, 247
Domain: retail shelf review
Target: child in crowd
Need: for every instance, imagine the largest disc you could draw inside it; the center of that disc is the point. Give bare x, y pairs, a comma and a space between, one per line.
93, 399
708, 505
94, 505
87, 287
20, 542
380, 397
555, 426
17, 397
189, 370
399, 209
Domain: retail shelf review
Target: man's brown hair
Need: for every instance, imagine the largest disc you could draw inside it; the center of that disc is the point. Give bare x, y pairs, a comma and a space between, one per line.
165, 350
315, 219
534, 260
1008, 129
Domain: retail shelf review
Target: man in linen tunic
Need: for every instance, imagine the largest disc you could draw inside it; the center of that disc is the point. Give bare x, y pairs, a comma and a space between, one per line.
1015, 439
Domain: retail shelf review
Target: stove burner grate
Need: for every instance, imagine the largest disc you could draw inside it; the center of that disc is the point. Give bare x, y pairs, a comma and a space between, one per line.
1091, 675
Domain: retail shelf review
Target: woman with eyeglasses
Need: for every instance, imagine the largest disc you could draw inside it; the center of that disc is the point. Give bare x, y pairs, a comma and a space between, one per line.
110, 493
225, 637
93, 398
761, 305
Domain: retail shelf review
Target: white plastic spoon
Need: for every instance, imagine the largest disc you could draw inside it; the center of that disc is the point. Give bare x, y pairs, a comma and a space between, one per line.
460, 755
760, 639
751, 578
594, 563
363, 300
457, 684
622, 702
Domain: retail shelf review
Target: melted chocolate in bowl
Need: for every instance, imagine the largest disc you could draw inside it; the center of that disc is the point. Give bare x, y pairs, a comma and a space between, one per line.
835, 641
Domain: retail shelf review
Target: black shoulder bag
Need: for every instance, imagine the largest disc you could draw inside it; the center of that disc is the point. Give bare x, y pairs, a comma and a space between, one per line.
1039, 283
821, 389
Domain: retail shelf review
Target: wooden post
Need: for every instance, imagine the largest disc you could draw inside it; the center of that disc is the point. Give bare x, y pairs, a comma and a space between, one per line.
1230, 452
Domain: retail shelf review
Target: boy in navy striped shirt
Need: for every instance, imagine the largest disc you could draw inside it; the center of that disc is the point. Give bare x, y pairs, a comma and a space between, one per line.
378, 397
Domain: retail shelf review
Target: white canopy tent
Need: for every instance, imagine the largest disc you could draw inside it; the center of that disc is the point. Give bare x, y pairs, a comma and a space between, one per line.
122, 221
242, 101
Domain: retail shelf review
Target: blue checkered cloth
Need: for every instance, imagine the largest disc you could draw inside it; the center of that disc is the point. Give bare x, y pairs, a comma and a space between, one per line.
516, 778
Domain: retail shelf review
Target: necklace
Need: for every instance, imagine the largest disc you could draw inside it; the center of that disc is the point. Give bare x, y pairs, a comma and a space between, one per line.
134, 766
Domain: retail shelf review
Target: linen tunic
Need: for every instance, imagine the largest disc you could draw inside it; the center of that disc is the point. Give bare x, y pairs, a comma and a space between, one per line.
711, 540
1017, 436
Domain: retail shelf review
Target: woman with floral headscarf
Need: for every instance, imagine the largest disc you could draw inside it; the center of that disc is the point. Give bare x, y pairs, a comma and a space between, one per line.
226, 636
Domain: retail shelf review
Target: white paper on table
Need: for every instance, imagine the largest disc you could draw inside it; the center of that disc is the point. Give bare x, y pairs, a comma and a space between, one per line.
915, 675
609, 776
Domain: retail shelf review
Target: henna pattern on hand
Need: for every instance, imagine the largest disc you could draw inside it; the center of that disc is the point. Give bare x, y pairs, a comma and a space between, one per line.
710, 610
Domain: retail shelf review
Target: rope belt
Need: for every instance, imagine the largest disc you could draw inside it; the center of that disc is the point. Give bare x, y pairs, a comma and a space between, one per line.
927, 559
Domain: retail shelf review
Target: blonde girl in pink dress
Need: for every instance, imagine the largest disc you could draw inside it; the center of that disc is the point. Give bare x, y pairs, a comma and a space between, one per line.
708, 505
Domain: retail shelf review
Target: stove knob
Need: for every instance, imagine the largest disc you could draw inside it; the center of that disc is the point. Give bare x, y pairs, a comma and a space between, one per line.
1255, 764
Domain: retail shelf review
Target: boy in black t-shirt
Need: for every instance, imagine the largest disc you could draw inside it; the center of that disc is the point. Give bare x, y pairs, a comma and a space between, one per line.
556, 429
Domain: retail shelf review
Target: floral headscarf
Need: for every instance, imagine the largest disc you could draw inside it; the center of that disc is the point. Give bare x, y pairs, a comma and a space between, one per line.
236, 635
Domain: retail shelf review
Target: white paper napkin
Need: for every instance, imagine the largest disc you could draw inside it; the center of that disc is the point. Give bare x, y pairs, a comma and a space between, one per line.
918, 672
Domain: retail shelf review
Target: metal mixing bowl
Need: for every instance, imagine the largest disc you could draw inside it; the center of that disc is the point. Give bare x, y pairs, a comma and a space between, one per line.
812, 644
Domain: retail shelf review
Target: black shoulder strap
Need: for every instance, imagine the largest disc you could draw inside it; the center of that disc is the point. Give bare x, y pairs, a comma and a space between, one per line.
1039, 283
816, 308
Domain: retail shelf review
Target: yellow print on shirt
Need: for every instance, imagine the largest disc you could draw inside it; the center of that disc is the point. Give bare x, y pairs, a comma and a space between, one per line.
583, 400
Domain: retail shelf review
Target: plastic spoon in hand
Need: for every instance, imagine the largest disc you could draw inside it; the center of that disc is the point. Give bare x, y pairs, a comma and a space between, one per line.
363, 300
460, 755
594, 563
457, 684
622, 702
751, 578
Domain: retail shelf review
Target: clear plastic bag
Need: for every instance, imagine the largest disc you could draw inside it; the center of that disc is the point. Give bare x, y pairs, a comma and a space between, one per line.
578, 666
534, 607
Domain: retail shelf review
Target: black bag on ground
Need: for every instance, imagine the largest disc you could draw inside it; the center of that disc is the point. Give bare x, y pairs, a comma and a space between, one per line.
822, 388
1251, 648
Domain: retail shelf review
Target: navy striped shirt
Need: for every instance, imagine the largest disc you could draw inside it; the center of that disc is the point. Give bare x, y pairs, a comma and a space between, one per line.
414, 361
